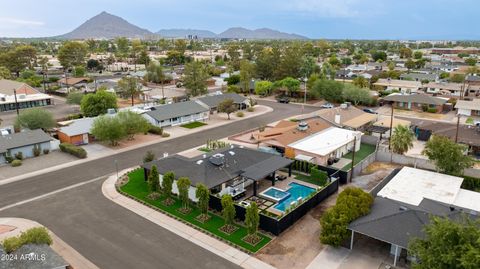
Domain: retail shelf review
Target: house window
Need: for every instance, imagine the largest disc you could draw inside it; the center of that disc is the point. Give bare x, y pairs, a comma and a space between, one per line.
175, 119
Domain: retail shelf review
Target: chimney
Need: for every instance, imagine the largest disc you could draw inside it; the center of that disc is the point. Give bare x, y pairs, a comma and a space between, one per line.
337, 118
302, 126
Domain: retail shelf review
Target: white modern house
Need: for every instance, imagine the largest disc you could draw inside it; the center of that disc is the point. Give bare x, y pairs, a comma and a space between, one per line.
177, 113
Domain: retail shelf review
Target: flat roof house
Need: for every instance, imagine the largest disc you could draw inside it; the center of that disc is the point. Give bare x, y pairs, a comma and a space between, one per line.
404, 86
212, 101
177, 113
419, 77
226, 171
26, 96
318, 148
418, 102
444, 88
23, 142
347, 116
406, 203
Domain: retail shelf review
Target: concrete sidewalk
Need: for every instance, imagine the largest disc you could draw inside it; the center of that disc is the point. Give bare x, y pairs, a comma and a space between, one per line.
17, 225
209, 243
173, 134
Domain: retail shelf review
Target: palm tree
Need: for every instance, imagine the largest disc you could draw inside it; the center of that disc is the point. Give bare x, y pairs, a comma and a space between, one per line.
402, 139
129, 87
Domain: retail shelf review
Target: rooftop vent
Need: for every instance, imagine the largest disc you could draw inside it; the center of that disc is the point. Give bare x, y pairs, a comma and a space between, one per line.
302, 126
217, 159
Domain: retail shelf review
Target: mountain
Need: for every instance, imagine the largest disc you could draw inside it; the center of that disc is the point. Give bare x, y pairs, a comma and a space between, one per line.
106, 25
262, 33
186, 32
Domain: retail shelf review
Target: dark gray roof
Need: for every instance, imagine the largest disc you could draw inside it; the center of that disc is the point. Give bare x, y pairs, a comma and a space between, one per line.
396, 223
22, 139
236, 162
174, 110
415, 98
213, 100
52, 259
3, 265
472, 78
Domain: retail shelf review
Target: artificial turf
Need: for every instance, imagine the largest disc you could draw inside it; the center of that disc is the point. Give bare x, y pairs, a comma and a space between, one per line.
193, 125
138, 188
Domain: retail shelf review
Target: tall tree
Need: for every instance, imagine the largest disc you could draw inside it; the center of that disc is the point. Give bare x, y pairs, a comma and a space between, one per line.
155, 74
195, 78
228, 209
448, 244
35, 118
329, 90
153, 179
252, 218
203, 195
108, 128
133, 123
71, 54
227, 106
402, 139
247, 70
183, 185
233, 51
290, 63
447, 155
356, 95
94, 104
167, 184
5, 73
129, 88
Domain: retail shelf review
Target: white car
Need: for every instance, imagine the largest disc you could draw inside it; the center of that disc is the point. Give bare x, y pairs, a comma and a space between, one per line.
327, 105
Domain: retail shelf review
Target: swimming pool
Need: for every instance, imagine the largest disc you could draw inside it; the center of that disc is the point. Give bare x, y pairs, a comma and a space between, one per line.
274, 194
296, 191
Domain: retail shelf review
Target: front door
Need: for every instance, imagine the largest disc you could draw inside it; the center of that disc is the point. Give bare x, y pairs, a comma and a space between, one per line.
85, 138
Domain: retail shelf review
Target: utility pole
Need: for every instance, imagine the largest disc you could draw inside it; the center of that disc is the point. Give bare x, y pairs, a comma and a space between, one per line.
458, 125
16, 101
391, 127
353, 157
304, 94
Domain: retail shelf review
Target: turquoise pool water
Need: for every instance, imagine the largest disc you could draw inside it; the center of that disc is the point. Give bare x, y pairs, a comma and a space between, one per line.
296, 191
276, 194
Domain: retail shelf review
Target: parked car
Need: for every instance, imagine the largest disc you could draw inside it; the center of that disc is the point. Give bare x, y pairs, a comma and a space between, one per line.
327, 105
369, 110
284, 100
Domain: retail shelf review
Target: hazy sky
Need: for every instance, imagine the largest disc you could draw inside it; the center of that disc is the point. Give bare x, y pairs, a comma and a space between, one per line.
353, 19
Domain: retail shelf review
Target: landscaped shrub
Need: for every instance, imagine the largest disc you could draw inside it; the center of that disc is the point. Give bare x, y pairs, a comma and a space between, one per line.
149, 156
74, 150
319, 175
165, 134
240, 114
432, 110
9, 158
16, 163
250, 109
36, 150
19, 155
471, 183
351, 204
155, 130
37, 235
46, 151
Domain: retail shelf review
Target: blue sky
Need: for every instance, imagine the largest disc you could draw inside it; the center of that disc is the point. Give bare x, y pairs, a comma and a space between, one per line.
345, 19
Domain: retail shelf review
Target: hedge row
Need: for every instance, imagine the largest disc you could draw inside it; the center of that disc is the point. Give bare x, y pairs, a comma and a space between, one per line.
74, 150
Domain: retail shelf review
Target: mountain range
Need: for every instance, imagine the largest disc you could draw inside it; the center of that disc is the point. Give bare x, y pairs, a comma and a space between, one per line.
105, 25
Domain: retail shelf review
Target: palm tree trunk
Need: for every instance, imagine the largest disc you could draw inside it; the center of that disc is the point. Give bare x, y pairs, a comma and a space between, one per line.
132, 100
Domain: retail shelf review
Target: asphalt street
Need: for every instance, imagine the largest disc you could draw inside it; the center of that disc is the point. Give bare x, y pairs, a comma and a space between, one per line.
105, 233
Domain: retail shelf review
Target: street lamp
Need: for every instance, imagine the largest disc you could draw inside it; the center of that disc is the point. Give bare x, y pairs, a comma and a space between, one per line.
16, 101
304, 94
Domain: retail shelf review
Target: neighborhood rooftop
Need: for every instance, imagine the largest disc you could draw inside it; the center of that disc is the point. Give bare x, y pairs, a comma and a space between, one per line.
415, 98
326, 141
21, 139
213, 100
169, 111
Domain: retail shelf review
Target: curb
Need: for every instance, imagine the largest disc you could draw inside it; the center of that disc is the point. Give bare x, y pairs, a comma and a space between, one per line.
73, 257
194, 235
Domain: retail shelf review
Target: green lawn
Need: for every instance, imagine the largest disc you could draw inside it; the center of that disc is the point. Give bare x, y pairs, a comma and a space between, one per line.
193, 125
308, 179
469, 121
138, 188
365, 150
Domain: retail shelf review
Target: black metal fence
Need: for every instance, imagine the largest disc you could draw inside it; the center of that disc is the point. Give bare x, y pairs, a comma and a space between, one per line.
277, 226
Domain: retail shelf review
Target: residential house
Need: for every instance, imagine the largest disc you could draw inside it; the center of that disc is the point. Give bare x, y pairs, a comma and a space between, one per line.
406, 204
323, 146
177, 113
468, 108
472, 80
419, 77
76, 132
404, 86
212, 101
416, 102
456, 50
286, 132
14, 92
445, 88
226, 171
24, 142
73, 82
347, 116
472, 91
